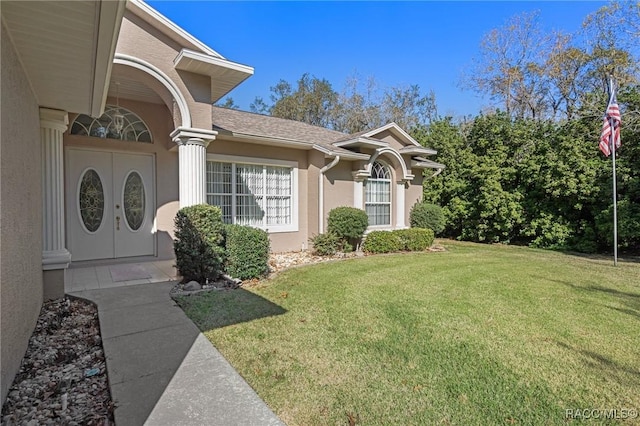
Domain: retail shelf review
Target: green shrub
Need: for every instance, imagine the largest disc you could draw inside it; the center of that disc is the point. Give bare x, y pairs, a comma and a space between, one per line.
247, 252
428, 216
199, 243
326, 244
382, 242
415, 239
348, 223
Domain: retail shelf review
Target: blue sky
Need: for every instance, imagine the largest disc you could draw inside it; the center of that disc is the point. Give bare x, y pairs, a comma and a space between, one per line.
398, 43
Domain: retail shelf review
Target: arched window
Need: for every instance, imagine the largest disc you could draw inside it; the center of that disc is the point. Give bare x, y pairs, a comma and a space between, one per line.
378, 195
115, 123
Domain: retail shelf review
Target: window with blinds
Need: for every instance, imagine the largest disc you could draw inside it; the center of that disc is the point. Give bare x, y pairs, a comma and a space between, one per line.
251, 194
378, 195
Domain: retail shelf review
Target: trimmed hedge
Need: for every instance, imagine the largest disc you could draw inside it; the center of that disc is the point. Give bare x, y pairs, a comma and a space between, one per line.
326, 244
415, 239
382, 242
199, 243
247, 252
348, 223
428, 216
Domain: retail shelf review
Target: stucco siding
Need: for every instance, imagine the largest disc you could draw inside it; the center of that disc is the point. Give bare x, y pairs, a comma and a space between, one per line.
391, 139
413, 194
139, 39
20, 213
338, 188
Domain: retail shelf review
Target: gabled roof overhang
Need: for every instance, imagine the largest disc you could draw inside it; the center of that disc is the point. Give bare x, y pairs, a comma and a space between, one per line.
343, 153
417, 150
66, 49
423, 163
361, 142
396, 130
225, 75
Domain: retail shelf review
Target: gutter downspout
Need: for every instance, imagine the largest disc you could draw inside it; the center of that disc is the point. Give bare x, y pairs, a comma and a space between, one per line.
438, 171
321, 192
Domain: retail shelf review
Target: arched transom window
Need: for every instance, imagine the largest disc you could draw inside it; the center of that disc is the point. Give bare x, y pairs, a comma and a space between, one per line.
378, 195
115, 123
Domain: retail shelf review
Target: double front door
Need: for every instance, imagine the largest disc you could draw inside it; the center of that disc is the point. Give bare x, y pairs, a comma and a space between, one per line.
110, 204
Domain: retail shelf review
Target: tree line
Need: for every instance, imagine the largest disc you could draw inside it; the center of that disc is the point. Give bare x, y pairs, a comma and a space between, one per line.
526, 170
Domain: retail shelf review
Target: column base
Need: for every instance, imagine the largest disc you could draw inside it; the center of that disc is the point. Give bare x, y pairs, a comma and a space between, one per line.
56, 259
53, 284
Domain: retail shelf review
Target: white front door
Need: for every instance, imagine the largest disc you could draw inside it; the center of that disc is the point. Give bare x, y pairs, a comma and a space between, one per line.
110, 204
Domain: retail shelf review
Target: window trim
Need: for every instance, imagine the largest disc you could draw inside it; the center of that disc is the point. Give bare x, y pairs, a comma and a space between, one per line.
265, 162
390, 203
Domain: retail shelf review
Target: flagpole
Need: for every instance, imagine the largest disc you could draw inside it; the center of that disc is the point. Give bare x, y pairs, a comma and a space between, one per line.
612, 142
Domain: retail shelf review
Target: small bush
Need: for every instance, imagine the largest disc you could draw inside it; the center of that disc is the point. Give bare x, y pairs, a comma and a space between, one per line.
326, 244
199, 243
247, 251
348, 223
382, 242
415, 239
427, 216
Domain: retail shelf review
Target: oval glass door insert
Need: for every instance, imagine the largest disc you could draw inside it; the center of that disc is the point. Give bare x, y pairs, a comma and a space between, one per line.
133, 201
91, 200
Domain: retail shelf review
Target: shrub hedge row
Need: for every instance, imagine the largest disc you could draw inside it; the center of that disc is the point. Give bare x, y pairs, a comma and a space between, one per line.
205, 247
414, 239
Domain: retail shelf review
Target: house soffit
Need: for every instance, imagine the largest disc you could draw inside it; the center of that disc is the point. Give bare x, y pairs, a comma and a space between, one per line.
66, 49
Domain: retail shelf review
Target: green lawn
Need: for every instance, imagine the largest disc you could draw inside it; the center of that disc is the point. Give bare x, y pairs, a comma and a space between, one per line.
476, 335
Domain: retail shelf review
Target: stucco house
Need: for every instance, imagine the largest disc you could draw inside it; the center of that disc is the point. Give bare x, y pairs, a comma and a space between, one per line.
108, 129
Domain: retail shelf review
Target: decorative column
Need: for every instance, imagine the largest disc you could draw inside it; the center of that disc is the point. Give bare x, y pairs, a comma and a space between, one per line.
192, 164
55, 256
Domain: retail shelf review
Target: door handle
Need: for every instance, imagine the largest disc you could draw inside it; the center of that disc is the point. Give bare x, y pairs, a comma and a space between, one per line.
117, 223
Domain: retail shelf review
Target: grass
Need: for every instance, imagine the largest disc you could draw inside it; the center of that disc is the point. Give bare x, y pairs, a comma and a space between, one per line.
476, 335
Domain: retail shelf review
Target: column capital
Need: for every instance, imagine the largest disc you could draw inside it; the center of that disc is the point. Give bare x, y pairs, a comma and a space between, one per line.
191, 136
360, 175
54, 119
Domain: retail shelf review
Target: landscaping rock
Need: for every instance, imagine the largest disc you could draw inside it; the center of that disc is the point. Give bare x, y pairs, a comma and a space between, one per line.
51, 387
192, 286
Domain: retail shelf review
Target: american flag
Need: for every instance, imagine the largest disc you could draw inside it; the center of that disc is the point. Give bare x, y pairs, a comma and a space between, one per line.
611, 124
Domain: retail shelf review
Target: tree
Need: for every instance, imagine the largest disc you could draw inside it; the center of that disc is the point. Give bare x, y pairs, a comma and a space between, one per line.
311, 102
228, 103
510, 67
359, 107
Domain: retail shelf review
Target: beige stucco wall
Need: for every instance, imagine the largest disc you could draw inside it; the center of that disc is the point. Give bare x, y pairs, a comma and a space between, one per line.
391, 139
20, 213
413, 194
159, 121
338, 188
139, 39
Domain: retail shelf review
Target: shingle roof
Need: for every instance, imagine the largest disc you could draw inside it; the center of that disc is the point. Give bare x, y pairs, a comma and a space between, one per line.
248, 123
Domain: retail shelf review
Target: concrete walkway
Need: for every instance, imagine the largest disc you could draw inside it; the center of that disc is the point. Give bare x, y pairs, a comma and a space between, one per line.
162, 370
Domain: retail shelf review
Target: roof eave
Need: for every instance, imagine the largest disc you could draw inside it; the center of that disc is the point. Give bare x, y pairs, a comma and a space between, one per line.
417, 150
345, 155
111, 14
361, 141
265, 140
226, 74
168, 28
